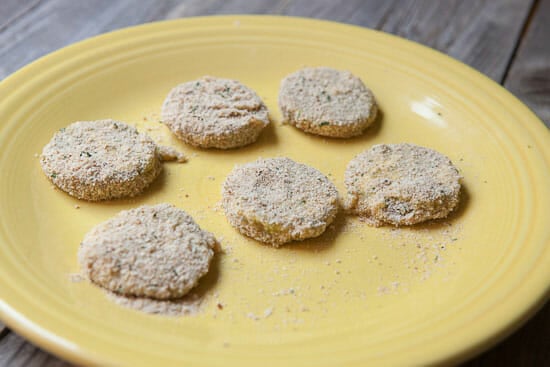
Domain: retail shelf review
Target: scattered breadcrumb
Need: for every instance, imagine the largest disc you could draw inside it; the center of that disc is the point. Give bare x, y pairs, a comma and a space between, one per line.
268, 312
429, 244
76, 277
167, 154
387, 289
285, 292
188, 305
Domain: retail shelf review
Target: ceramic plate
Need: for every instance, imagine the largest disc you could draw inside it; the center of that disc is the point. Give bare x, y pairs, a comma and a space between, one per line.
357, 295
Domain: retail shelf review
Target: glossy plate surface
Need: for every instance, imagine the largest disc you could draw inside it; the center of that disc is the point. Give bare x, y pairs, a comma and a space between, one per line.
356, 295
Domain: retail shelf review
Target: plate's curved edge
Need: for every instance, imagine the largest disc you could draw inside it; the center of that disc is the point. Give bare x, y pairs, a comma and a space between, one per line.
61, 347
514, 325
44, 338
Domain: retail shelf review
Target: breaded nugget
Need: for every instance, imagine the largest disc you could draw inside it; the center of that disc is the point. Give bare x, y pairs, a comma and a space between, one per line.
151, 251
100, 160
401, 184
278, 200
327, 102
215, 113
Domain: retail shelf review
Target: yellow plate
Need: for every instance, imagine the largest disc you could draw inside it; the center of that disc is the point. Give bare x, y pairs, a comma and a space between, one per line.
355, 296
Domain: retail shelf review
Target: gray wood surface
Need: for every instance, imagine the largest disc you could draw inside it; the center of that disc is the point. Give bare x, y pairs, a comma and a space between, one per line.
506, 39
529, 76
11, 10
466, 30
16, 352
483, 34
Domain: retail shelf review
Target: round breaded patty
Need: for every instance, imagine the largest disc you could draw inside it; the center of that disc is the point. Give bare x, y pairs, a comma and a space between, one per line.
278, 200
100, 160
401, 184
151, 251
327, 102
215, 113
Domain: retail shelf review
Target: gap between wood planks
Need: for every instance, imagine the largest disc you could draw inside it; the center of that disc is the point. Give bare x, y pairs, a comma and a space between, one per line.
521, 39
28, 8
3, 331
529, 74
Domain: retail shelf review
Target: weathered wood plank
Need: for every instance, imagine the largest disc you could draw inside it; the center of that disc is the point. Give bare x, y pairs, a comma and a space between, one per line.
56, 23
53, 24
10, 346
53, 362
190, 8
529, 75
11, 10
480, 33
16, 352
364, 13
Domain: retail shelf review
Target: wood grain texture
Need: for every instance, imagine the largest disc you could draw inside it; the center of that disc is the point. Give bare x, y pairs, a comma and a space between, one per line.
481, 33
478, 32
190, 8
370, 14
53, 24
16, 352
12, 10
529, 75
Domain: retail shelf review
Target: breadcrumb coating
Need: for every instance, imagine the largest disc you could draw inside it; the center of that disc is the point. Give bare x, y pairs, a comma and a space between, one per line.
401, 184
278, 200
328, 102
151, 251
215, 113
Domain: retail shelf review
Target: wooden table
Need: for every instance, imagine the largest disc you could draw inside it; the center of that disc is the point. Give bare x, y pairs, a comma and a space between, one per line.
507, 40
